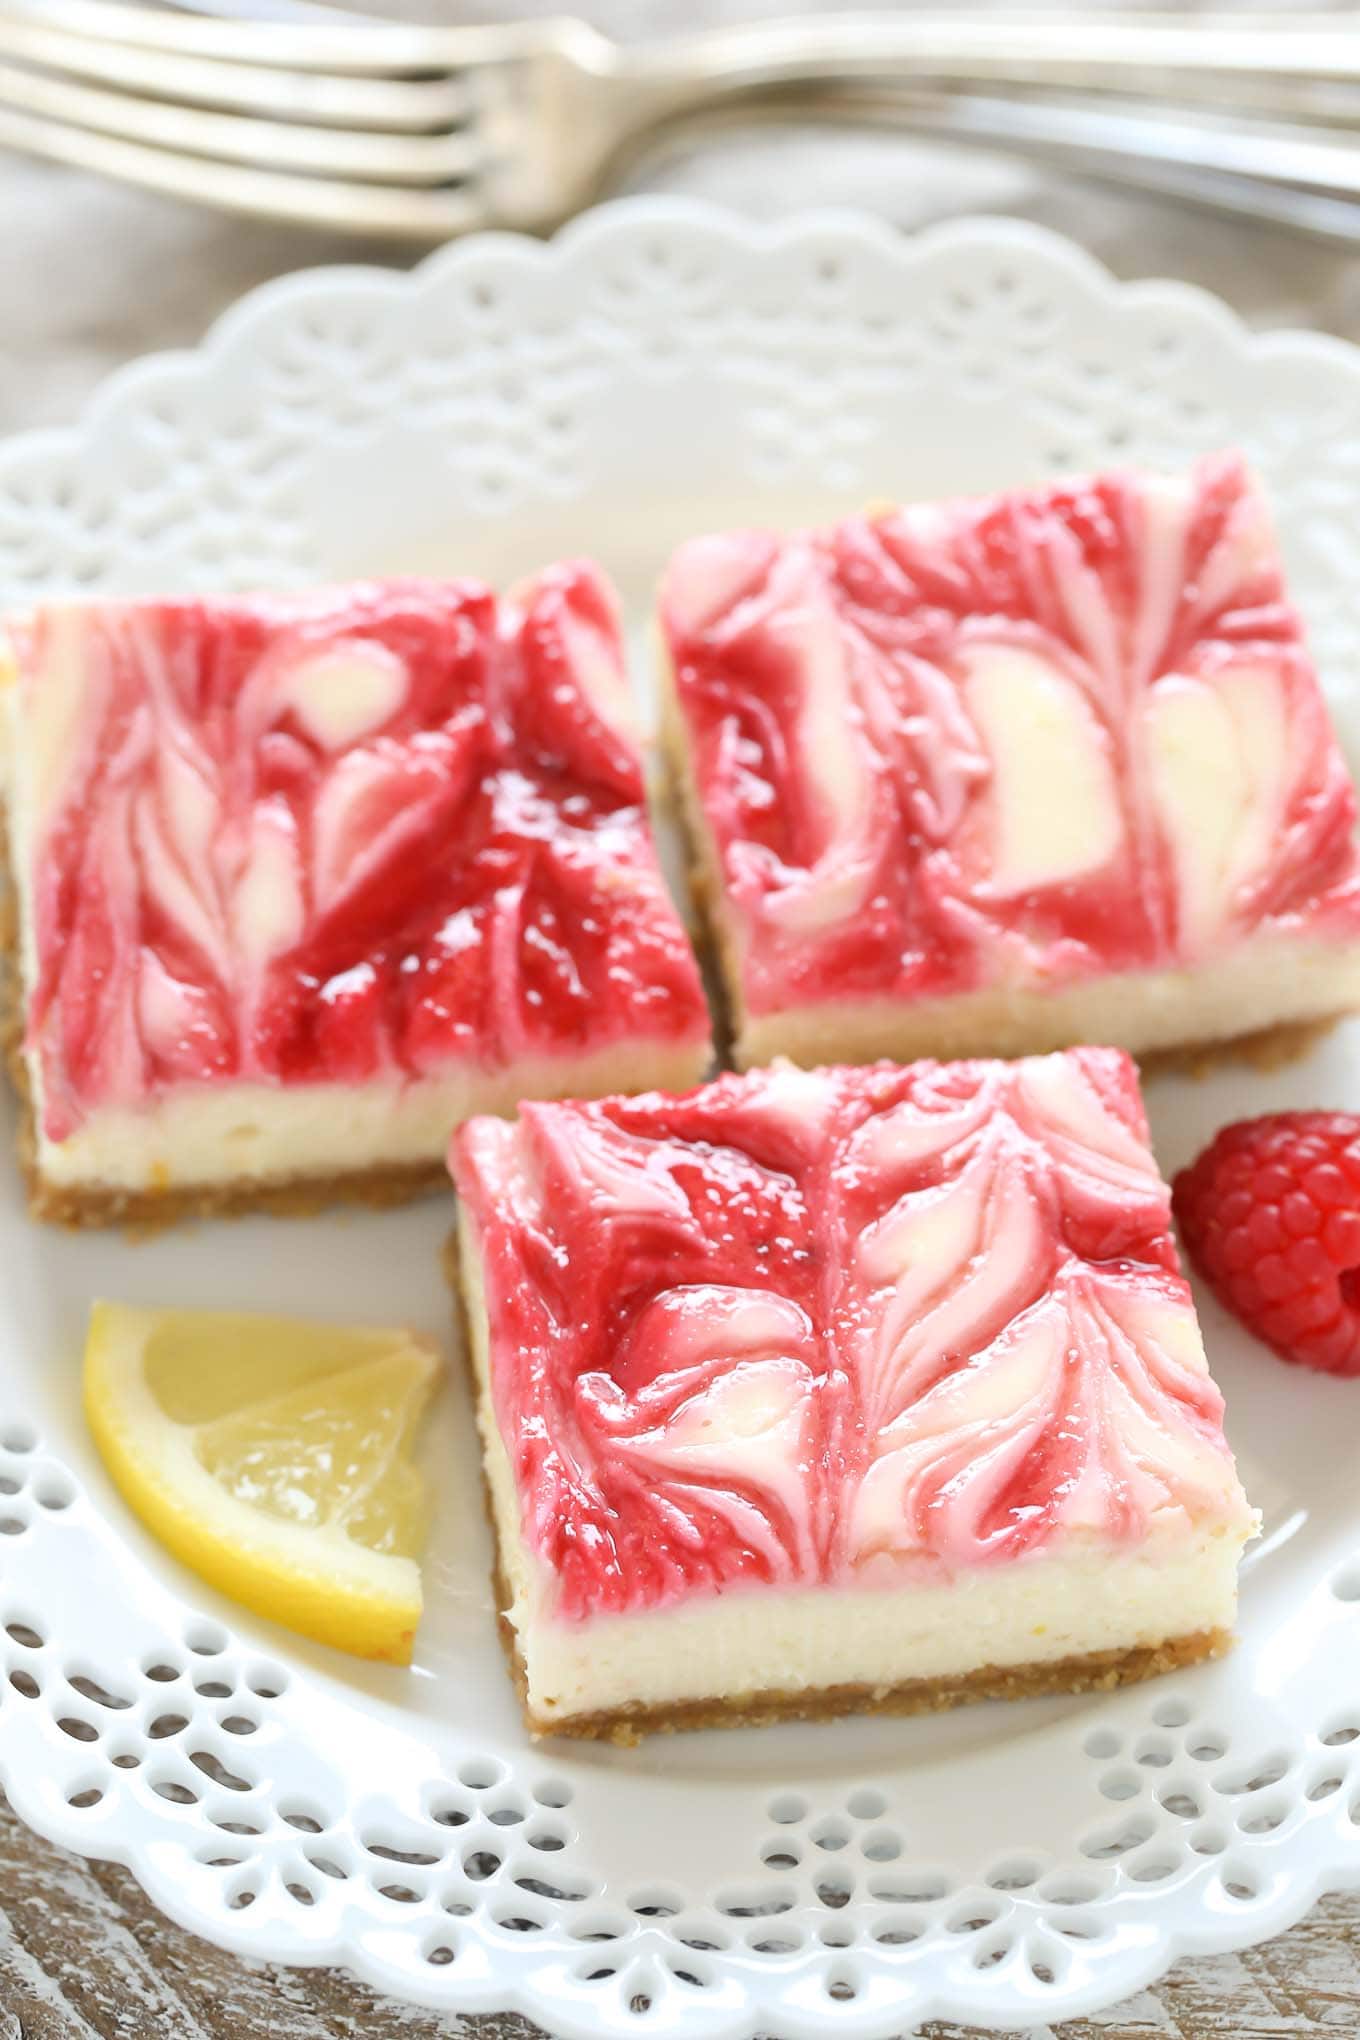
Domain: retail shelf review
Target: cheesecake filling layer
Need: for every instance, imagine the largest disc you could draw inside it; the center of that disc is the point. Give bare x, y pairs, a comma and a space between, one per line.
881, 1337
1274, 978
1047, 1610
1089, 1594
1267, 983
1008, 746
275, 1134
389, 838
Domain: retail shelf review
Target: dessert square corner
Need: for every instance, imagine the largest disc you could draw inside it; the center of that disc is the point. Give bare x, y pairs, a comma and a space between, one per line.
839, 1390
1003, 775
300, 881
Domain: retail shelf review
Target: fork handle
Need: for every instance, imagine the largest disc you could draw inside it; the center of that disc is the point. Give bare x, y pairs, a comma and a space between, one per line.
1285, 176
1199, 58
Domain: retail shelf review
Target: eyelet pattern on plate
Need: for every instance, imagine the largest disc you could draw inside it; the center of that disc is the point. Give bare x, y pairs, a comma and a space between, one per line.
510, 382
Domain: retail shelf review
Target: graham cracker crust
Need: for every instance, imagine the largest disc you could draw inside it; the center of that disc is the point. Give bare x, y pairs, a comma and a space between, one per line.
1093, 1672
87, 1205
1268, 1049
1088, 1672
146, 1211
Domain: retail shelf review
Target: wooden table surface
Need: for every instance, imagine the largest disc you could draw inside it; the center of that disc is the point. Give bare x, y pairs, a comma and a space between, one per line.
90, 275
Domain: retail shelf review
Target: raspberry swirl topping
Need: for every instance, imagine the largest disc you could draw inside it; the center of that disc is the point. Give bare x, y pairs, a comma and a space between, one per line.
335, 835
809, 1327
1026, 738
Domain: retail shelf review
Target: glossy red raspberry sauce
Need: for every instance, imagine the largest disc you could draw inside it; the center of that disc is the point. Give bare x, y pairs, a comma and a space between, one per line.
838, 1326
338, 835
887, 826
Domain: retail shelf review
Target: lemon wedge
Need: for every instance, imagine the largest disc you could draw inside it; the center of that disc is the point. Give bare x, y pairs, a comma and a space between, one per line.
273, 1456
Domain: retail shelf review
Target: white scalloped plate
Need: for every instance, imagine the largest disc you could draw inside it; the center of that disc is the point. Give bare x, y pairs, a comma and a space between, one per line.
658, 369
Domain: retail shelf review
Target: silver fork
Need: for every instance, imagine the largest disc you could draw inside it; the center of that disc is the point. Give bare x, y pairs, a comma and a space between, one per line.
419, 133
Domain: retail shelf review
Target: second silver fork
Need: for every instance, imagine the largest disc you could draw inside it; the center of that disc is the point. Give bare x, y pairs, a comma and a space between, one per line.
419, 133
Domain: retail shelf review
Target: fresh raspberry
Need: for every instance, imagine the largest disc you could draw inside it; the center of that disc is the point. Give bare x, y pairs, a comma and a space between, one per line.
1270, 1214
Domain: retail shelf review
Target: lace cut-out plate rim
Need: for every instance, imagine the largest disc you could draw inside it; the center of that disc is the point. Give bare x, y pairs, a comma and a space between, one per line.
999, 1867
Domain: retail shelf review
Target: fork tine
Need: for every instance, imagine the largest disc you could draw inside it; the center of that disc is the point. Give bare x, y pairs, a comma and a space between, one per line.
420, 159
248, 87
392, 212
372, 48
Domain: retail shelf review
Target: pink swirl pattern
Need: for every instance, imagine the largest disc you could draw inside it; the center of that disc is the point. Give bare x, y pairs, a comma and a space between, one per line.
808, 1327
336, 835
879, 717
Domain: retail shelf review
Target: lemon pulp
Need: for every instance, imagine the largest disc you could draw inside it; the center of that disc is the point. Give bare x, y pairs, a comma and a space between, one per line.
273, 1456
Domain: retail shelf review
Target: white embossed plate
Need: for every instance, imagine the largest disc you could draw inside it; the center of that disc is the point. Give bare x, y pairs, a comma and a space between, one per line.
658, 369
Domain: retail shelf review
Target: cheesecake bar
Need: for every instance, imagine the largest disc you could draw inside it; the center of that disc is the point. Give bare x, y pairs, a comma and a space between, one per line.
999, 776
301, 881
836, 1390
